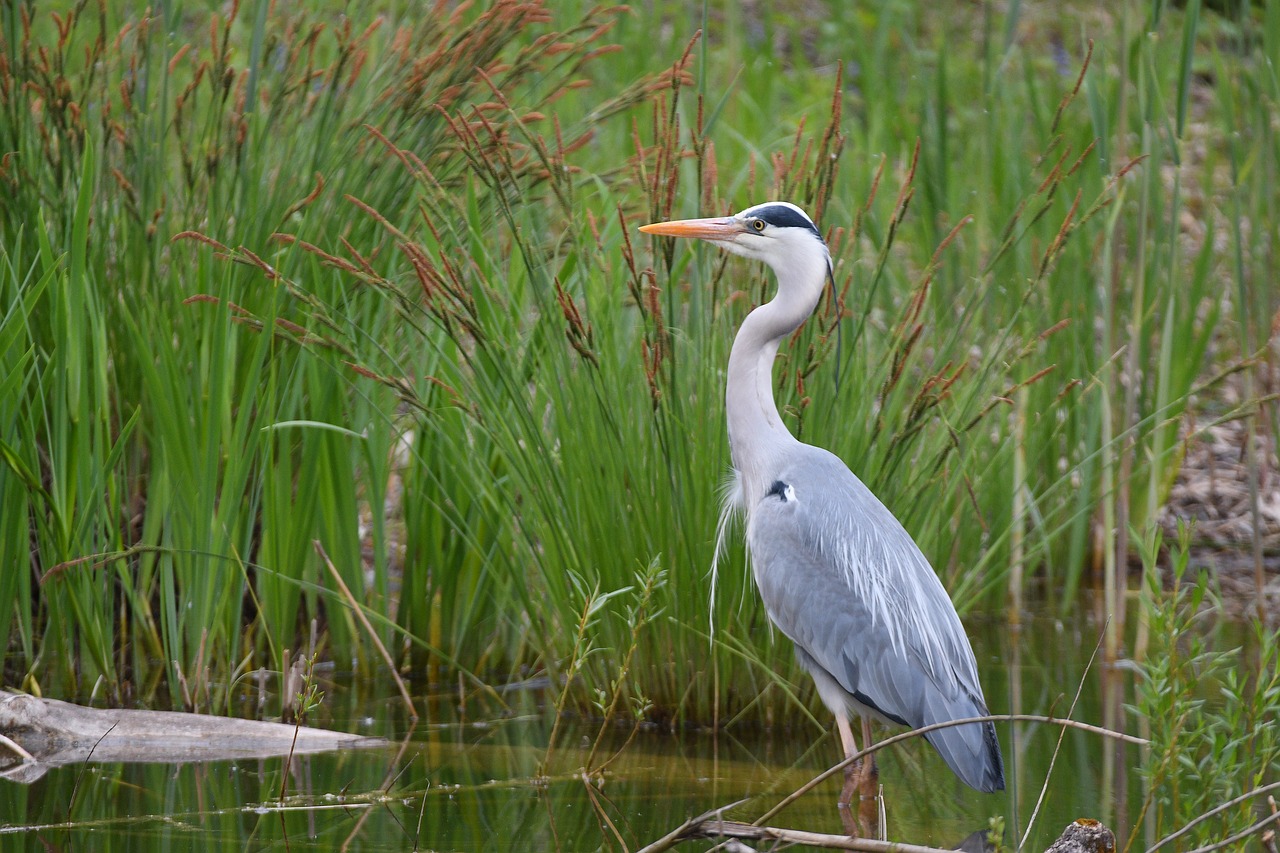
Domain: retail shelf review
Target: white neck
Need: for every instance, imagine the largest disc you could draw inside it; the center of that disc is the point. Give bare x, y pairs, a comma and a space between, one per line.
757, 436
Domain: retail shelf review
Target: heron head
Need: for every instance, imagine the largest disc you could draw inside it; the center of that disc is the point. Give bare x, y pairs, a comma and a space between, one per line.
776, 232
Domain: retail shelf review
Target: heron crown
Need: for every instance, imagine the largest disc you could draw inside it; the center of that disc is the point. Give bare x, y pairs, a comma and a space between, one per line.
781, 214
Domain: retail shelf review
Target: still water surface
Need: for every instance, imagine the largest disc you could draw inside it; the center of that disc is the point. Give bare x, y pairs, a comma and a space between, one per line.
454, 784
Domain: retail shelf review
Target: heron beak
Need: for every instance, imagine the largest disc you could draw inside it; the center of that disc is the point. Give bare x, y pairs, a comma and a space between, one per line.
716, 228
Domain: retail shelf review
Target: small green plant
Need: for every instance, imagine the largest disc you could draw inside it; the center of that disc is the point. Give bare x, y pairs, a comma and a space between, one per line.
1212, 726
591, 610
302, 690
301, 696
995, 835
621, 690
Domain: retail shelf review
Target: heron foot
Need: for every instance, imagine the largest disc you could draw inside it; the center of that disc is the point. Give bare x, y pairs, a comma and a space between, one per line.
868, 779
864, 821
852, 774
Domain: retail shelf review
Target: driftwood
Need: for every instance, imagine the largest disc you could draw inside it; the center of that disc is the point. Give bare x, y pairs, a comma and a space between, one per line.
1082, 836
39, 733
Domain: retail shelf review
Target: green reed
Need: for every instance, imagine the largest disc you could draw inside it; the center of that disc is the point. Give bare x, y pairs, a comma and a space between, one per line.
276, 278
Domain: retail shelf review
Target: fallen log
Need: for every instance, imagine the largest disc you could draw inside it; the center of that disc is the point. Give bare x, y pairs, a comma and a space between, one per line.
39, 733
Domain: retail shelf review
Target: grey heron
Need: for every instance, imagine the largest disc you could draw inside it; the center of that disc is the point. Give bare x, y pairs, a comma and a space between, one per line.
838, 574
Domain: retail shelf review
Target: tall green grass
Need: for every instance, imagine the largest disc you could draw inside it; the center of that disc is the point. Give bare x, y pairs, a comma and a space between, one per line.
275, 273
166, 429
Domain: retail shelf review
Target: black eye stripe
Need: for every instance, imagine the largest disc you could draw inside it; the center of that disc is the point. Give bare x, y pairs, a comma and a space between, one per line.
781, 216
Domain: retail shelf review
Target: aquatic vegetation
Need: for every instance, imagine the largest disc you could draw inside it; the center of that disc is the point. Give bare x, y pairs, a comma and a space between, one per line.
276, 277
1210, 711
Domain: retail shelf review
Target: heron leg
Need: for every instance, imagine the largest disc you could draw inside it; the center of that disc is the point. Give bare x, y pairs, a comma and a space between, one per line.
852, 773
866, 821
846, 737
869, 777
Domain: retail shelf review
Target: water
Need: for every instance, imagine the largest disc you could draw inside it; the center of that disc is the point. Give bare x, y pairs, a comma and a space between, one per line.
460, 790
455, 784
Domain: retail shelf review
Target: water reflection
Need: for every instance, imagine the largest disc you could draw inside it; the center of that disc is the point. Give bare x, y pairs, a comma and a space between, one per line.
457, 785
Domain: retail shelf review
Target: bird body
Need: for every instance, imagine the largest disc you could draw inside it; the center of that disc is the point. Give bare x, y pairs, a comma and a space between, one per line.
889, 643
837, 572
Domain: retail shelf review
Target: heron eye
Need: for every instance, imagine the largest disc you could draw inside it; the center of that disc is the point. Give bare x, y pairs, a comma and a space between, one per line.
757, 224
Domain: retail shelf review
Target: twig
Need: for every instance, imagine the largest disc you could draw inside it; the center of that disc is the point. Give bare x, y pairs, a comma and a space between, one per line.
1269, 837
702, 828
75, 789
990, 718
359, 611
16, 748
603, 816
1044, 788
387, 781
288, 759
674, 837
1222, 808
1244, 833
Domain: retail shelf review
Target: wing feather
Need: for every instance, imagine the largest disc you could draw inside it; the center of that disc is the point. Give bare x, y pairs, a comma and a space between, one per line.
846, 583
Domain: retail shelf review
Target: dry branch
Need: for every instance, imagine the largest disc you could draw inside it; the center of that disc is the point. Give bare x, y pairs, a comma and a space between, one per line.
994, 718
1081, 836
373, 635
700, 826
709, 828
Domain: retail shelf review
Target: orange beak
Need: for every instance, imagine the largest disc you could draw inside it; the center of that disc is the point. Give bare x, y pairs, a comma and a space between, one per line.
716, 228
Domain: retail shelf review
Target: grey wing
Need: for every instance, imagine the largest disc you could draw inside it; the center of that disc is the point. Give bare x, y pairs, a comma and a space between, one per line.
846, 583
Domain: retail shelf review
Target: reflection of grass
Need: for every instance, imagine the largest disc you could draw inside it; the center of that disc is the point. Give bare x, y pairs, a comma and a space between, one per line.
1019, 315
